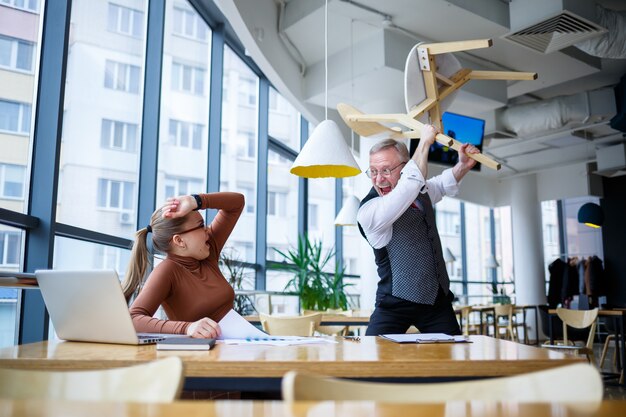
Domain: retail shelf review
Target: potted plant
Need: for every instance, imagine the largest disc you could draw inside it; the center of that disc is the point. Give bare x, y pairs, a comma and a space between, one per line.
236, 274
317, 289
499, 294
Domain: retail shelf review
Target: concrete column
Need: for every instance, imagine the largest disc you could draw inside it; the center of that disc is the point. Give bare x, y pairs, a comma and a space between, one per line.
527, 245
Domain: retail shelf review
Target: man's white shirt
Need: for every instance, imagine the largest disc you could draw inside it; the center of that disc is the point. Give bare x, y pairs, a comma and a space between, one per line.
377, 216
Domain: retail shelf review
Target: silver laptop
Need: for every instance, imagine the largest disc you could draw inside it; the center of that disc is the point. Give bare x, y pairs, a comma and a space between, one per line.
89, 306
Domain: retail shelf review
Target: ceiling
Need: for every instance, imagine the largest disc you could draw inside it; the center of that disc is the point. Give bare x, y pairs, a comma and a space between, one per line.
368, 41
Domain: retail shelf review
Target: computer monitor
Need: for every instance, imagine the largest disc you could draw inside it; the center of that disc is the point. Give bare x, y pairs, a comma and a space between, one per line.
464, 129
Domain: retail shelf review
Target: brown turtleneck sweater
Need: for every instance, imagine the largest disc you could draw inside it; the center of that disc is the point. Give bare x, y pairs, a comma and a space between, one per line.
189, 289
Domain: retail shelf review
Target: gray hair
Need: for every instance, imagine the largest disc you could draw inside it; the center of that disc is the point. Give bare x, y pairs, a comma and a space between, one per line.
400, 147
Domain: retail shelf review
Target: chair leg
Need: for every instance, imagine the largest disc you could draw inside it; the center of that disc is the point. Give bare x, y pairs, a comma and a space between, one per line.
605, 349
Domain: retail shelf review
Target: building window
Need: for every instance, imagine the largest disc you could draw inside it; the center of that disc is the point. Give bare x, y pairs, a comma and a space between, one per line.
186, 135
30, 5
276, 203
12, 181
188, 79
14, 117
187, 23
117, 195
9, 249
182, 186
122, 77
246, 144
125, 20
16, 54
248, 193
247, 91
118, 135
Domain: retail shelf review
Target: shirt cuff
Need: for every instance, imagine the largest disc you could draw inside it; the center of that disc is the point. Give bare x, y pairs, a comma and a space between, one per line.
449, 182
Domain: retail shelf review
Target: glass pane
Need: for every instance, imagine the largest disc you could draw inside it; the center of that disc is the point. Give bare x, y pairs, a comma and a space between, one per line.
550, 227
582, 241
448, 216
238, 165
284, 120
478, 249
97, 174
322, 216
504, 247
19, 50
182, 165
75, 254
282, 211
11, 243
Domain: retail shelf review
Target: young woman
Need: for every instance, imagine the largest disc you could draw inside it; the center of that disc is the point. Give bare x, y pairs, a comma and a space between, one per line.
188, 282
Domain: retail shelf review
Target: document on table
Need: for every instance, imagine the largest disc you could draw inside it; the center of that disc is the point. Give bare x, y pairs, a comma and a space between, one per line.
237, 330
425, 338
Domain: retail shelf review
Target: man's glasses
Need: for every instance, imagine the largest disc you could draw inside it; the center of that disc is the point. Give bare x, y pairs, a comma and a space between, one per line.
384, 172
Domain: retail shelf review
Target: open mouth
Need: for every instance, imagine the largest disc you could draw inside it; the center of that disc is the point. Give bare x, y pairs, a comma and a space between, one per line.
385, 190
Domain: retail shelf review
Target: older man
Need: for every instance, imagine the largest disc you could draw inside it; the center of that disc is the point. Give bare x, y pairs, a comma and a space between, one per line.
398, 221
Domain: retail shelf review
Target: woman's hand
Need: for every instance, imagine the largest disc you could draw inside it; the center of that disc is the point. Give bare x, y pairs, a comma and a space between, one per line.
204, 328
179, 206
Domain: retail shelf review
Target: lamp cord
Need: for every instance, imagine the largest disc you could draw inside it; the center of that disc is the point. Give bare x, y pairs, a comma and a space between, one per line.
326, 61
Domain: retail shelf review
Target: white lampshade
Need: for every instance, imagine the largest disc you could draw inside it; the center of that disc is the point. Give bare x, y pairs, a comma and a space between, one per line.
448, 256
347, 214
491, 262
325, 154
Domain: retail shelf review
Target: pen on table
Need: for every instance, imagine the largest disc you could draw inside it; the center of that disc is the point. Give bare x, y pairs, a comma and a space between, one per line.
354, 338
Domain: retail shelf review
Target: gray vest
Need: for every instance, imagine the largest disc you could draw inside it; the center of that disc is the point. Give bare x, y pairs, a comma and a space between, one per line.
412, 262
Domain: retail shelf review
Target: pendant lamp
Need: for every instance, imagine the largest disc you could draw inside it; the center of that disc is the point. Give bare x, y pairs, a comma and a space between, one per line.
325, 153
590, 214
448, 256
347, 214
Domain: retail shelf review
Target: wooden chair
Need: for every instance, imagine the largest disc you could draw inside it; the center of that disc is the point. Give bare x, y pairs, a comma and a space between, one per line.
468, 327
159, 381
332, 330
562, 384
290, 325
503, 319
578, 319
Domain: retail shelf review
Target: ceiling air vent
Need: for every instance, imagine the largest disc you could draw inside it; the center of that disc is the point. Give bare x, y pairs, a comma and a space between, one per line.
556, 33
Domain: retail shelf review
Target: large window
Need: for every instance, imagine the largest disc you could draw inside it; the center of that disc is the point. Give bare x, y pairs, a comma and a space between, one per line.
16, 54
448, 216
550, 227
184, 123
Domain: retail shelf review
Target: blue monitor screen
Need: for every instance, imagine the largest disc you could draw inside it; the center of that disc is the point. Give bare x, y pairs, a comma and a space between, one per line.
464, 129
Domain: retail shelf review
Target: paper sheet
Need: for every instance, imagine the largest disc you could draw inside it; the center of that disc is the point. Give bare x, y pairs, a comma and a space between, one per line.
237, 330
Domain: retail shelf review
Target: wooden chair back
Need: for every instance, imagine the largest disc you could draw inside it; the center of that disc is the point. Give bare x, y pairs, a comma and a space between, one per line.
504, 311
331, 330
159, 381
290, 325
561, 384
579, 319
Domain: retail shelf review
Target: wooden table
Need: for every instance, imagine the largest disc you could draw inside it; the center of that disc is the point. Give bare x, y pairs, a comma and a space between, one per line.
260, 367
20, 408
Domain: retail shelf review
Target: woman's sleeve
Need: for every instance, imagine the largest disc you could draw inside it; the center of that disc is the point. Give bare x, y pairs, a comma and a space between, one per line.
156, 290
230, 206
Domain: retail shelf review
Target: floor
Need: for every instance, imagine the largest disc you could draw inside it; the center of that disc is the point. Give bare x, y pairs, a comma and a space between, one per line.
612, 390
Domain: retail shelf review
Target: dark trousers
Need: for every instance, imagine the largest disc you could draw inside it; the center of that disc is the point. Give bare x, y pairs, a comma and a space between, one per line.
394, 315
